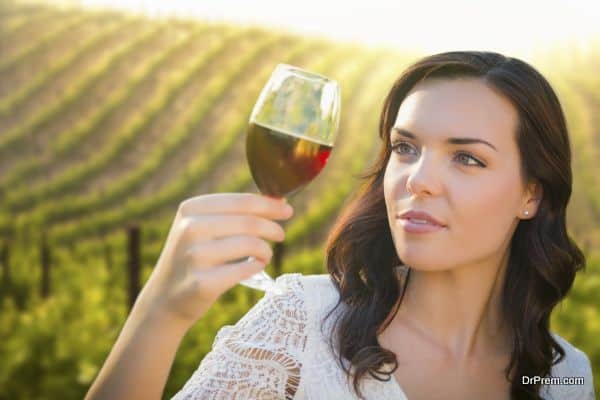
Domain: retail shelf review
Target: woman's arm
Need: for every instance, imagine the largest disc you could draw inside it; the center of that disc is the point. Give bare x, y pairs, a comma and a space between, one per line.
138, 365
194, 269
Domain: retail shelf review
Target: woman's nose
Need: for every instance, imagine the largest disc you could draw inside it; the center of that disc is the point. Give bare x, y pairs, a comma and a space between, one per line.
423, 176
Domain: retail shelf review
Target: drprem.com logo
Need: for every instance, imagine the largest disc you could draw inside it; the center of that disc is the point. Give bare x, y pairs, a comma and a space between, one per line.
555, 380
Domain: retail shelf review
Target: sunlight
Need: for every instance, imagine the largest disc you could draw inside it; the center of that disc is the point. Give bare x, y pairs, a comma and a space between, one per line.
516, 26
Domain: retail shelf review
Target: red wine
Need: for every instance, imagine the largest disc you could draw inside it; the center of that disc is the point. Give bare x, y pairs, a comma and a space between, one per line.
282, 163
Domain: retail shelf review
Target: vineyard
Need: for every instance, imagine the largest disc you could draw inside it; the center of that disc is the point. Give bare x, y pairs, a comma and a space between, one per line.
108, 121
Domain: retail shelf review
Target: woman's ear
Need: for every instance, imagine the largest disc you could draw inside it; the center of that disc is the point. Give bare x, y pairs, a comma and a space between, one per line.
533, 198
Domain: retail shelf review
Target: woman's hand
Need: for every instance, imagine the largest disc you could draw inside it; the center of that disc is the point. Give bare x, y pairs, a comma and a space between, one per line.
208, 232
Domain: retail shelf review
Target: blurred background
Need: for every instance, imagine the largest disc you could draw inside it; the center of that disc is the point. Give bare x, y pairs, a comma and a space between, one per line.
113, 112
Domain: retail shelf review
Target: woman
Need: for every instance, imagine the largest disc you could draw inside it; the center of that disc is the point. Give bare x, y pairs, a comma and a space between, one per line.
443, 271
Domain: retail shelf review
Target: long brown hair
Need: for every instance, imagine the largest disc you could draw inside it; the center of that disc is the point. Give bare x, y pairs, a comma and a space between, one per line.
361, 257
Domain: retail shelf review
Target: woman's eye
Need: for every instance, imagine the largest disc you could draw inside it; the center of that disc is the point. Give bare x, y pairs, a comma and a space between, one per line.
469, 160
399, 145
476, 163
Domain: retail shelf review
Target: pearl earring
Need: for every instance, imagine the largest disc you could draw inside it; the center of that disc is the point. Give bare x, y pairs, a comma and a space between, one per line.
526, 212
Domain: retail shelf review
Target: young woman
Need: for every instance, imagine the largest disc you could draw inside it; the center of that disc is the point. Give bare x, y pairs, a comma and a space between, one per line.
443, 271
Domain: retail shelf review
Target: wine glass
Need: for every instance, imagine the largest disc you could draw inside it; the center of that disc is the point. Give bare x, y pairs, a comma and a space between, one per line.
291, 133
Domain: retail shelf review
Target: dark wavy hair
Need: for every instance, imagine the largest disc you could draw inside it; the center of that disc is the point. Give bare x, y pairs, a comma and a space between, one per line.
361, 257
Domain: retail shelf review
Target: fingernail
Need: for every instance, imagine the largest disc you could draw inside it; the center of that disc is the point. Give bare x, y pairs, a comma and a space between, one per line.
280, 199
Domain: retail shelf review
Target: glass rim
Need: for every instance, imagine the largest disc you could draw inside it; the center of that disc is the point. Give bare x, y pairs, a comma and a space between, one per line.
306, 72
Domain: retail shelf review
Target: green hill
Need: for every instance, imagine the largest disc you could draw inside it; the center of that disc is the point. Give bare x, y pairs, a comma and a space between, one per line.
108, 121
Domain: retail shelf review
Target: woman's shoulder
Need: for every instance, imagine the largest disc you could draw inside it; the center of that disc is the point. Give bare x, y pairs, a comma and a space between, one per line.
279, 313
575, 364
319, 290
307, 286
297, 280
314, 296
575, 361
573, 355
293, 302
316, 291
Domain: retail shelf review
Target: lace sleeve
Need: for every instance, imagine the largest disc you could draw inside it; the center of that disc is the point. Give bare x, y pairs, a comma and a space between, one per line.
260, 357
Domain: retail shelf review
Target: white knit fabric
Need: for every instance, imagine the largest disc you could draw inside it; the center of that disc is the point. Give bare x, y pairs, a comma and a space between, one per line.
278, 351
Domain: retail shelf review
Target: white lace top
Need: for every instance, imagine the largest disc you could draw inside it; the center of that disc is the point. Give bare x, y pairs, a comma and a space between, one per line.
278, 351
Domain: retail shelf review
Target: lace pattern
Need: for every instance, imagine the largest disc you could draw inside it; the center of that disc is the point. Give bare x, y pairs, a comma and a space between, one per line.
280, 350
260, 356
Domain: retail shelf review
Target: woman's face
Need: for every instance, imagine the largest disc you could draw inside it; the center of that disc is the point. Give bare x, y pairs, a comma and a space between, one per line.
474, 189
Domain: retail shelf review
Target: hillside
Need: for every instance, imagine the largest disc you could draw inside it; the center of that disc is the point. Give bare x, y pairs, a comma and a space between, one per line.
108, 121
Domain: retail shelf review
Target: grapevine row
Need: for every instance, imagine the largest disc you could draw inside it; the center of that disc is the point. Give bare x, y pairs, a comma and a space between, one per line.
31, 88
27, 197
11, 139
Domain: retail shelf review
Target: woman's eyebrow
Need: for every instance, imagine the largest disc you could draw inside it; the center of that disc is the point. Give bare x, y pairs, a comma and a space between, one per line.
452, 140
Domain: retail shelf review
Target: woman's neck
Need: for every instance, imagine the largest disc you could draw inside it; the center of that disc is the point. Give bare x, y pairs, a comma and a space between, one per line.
458, 310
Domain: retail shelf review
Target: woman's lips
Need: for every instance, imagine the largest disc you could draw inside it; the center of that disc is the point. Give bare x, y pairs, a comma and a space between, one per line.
420, 216
411, 226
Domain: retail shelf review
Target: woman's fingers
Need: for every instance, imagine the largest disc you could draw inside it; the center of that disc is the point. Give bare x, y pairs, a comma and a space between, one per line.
202, 227
207, 250
236, 203
206, 254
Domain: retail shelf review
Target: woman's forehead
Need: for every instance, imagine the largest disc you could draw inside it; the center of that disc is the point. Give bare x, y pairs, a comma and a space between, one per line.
457, 107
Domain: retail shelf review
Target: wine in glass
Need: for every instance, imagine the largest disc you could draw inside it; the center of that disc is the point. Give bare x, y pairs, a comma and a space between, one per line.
291, 133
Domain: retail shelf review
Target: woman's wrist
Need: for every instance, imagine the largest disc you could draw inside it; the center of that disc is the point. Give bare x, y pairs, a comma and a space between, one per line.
144, 352
156, 314
154, 304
